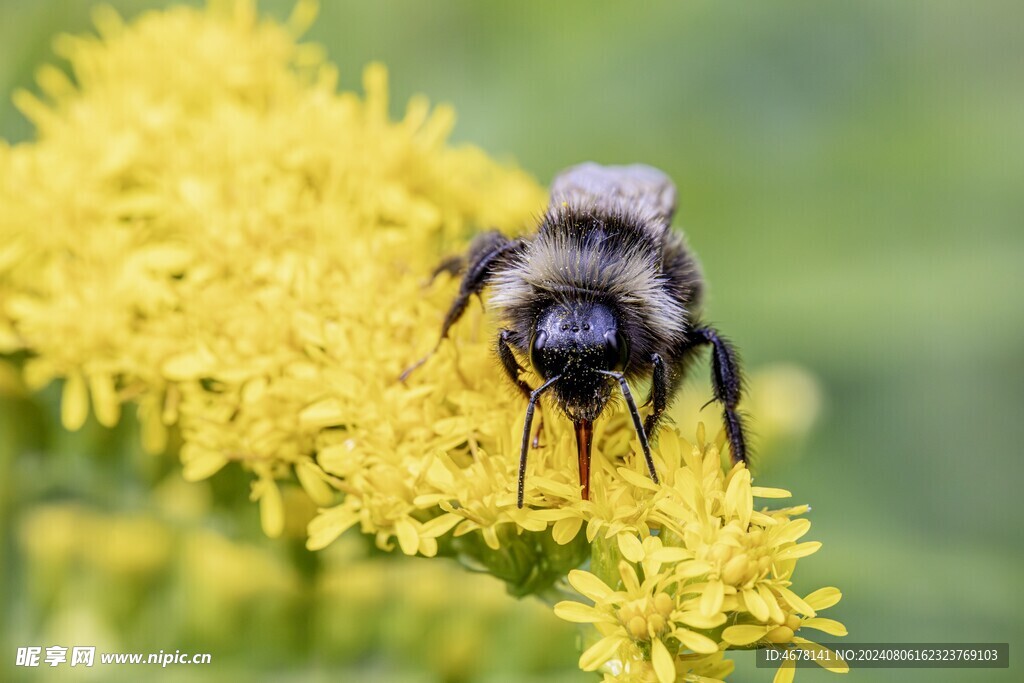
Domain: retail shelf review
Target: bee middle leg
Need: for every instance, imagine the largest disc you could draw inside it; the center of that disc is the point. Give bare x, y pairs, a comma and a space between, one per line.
637, 424
659, 395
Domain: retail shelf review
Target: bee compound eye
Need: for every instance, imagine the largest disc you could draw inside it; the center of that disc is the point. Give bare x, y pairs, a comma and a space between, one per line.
540, 338
616, 351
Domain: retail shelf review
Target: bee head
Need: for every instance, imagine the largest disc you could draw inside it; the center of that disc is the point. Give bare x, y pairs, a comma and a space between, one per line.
576, 340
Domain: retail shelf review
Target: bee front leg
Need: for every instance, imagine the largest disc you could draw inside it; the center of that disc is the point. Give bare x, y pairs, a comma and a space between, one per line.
534, 396
509, 363
513, 370
659, 395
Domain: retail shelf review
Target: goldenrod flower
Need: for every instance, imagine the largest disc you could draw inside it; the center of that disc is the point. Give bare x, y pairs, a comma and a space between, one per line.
206, 232
205, 228
718, 575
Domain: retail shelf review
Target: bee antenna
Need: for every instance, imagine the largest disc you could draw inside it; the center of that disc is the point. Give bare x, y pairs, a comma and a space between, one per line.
637, 424
534, 396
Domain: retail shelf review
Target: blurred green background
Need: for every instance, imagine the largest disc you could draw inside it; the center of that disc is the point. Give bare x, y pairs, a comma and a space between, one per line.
852, 176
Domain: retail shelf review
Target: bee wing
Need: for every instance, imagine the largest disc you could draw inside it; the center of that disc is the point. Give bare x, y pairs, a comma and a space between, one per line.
635, 189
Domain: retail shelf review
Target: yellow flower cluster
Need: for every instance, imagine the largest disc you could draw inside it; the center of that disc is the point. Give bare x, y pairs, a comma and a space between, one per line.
717, 575
207, 230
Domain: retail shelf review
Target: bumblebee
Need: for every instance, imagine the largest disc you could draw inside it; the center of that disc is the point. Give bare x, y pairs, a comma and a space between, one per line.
603, 294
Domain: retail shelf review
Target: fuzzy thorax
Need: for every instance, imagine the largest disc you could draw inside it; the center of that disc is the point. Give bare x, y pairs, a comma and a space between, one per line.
584, 255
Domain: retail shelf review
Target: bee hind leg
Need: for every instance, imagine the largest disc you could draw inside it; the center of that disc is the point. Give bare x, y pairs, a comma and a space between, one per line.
727, 383
485, 252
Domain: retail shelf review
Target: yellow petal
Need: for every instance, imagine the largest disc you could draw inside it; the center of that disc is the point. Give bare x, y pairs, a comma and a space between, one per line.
328, 525
829, 626
310, 476
711, 599
189, 365
630, 546
408, 538
74, 402
600, 652
823, 598
491, 537
428, 546
744, 634
692, 569
326, 413
698, 620
763, 492
797, 551
589, 585
200, 463
638, 480
795, 601
786, 672
302, 16
578, 613
154, 433
756, 605
271, 508
105, 403
738, 499
793, 530
775, 612
564, 530
439, 526
670, 554
826, 659
697, 642
630, 581
664, 666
